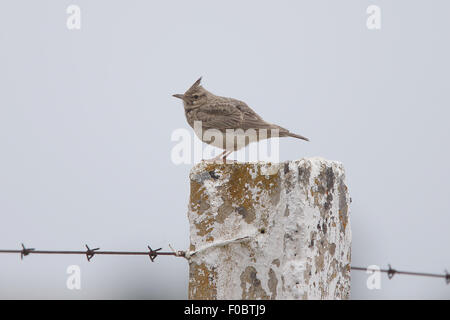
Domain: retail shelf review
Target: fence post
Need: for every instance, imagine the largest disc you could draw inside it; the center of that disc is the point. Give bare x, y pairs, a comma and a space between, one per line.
269, 231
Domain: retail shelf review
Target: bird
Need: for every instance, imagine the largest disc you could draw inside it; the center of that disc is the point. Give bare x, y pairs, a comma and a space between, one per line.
226, 116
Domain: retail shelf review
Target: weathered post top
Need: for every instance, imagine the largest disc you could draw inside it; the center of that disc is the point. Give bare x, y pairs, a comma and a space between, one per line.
269, 231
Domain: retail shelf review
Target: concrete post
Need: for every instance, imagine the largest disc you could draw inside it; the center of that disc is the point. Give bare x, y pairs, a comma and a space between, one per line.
269, 231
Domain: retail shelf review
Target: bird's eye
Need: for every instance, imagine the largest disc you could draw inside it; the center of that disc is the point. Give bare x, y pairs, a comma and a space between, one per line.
195, 96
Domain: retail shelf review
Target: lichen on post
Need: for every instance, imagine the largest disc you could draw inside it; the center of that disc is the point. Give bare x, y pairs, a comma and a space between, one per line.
269, 231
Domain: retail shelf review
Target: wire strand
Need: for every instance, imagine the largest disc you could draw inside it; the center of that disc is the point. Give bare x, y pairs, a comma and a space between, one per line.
152, 254
90, 253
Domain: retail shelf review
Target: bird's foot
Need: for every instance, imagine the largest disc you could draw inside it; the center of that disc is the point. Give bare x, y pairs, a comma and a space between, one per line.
221, 158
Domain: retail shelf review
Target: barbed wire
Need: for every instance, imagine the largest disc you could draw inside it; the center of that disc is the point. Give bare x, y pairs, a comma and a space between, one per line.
391, 272
153, 253
90, 253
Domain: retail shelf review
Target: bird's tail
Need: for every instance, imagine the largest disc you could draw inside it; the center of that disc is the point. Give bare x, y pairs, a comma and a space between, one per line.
290, 134
285, 133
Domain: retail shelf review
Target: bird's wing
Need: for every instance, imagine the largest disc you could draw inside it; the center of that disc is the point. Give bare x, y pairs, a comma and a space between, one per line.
219, 116
231, 114
251, 120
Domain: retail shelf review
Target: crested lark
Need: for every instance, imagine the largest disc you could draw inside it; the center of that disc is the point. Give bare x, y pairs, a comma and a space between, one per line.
226, 116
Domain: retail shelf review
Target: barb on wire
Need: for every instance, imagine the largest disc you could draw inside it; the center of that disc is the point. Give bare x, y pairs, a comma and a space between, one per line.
153, 253
25, 251
391, 272
90, 252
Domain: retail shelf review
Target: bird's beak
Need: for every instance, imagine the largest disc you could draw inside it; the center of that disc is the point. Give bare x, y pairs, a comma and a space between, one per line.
179, 96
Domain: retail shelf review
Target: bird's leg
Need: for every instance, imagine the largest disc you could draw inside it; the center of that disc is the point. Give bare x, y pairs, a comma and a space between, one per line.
225, 155
221, 157
215, 159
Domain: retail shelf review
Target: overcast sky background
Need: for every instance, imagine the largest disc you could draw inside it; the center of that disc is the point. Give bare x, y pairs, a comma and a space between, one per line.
86, 119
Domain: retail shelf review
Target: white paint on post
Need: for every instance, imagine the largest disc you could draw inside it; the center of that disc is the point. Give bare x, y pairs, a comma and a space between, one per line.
269, 231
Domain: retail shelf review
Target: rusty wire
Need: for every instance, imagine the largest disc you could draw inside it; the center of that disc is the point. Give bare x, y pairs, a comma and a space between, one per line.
90, 253
153, 253
391, 272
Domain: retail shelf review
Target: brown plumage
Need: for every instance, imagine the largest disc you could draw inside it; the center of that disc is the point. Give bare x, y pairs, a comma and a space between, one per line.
222, 114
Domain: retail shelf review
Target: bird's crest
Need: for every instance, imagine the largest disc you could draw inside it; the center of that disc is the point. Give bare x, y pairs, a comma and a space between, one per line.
194, 87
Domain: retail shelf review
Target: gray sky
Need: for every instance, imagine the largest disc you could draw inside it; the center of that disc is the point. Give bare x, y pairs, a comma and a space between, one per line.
86, 118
